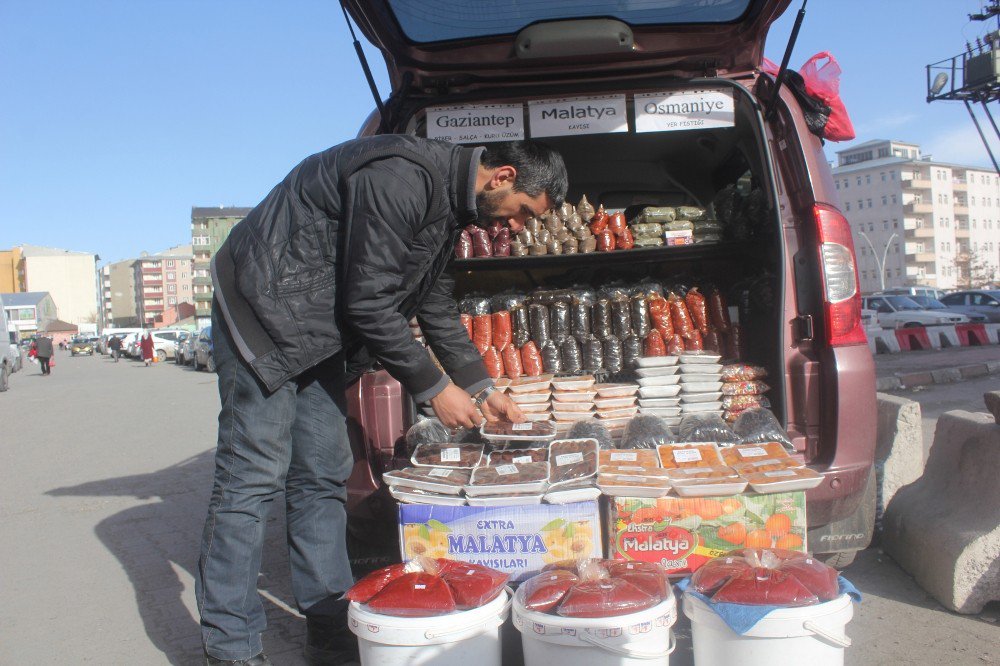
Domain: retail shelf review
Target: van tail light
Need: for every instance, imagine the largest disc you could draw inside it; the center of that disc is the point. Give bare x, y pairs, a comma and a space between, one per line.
841, 292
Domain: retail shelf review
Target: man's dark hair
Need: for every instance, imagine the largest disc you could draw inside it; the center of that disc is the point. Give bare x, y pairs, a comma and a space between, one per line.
539, 168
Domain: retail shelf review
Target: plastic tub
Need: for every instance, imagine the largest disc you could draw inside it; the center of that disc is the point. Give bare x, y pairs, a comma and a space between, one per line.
656, 361
660, 391
659, 380
657, 372
811, 635
637, 639
456, 639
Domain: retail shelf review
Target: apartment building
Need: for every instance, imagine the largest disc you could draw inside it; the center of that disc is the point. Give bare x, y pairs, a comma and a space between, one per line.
10, 280
209, 229
118, 304
70, 277
917, 221
161, 282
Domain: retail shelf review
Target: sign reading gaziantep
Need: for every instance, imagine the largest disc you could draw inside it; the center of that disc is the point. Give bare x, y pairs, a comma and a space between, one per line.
580, 115
683, 110
476, 124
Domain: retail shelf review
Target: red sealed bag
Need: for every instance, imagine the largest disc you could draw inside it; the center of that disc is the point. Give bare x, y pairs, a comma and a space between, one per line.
503, 330
604, 598
693, 341
616, 223
472, 585
654, 344
543, 592
761, 586
511, 361
735, 347
466, 320
680, 315
417, 594
501, 243
482, 332
599, 223
823, 82
718, 313
625, 240
493, 362
495, 227
605, 241
698, 308
372, 584
531, 360
463, 246
755, 576
712, 342
675, 345
659, 312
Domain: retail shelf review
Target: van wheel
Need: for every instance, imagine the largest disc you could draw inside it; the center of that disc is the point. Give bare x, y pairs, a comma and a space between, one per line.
839, 560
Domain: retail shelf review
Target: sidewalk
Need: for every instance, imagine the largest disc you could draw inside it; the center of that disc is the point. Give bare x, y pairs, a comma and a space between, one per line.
937, 366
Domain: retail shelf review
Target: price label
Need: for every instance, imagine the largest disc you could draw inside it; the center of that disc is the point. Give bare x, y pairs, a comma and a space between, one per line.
695, 470
780, 473
520, 427
569, 459
631, 456
520, 460
506, 470
752, 452
453, 454
437, 471
687, 455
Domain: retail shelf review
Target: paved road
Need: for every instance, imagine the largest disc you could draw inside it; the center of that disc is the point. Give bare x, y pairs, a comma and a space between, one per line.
106, 475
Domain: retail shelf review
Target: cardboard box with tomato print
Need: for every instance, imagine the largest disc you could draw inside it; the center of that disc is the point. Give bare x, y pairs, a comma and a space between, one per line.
681, 534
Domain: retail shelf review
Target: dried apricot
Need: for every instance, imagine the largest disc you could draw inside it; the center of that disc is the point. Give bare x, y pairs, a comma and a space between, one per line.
778, 525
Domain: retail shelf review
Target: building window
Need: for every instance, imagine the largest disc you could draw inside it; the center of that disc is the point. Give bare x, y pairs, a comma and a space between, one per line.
861, 204
885, 200
892, 175
846, 183
847, 205
881, 173
171, 288
893, 198
171, 276
859, 181
885, 225
187, 287
868, 179
837, 184
869, 203
170, 263
895, 223
171, 301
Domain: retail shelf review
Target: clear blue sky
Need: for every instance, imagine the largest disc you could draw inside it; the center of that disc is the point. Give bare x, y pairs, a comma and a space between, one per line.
117, 116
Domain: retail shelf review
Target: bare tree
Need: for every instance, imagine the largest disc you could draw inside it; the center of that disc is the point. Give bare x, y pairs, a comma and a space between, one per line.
972, 269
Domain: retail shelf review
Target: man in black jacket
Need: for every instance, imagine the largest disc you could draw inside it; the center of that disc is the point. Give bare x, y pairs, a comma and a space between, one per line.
317, 283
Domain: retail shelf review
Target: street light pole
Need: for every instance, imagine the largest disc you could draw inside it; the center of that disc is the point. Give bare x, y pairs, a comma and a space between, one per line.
885, 254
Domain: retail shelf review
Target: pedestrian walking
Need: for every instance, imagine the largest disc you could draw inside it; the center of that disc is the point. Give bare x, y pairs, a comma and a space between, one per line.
317, 283
115, 345
146, 348
44, 351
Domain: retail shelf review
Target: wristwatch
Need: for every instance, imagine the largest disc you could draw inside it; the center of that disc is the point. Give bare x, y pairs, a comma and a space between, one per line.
482, 396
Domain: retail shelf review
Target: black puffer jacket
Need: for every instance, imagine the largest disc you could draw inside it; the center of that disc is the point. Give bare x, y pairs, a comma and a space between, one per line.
343, 252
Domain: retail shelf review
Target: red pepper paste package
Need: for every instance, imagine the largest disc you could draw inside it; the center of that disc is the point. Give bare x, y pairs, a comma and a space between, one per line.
531, 360
503, 330
463, 246
599, 223
604, 598
680, 315
511, 362
482, 245
659, 312
472, 585
698, 308
501, 244
693, 341
718, 313
416, 594
543, 592
494, 228
654, 345
466, 320
605, 241
372, 584
493, 362
482, 332
712, 342
675, 345
616, 223
625, 240
764, 577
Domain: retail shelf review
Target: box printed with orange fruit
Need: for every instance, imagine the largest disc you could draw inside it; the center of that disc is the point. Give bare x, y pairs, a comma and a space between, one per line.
518, 540
681, 534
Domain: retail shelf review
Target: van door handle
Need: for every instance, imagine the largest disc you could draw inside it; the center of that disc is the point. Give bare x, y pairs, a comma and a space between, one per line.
804, 327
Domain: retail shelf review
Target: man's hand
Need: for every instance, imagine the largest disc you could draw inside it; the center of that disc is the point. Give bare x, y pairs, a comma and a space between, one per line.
499, 407
455, 409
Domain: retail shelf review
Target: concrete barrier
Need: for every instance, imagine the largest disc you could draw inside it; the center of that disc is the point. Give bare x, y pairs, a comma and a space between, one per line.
944, 529
899, 448
881, 341
912, 338
945, 337
993, 333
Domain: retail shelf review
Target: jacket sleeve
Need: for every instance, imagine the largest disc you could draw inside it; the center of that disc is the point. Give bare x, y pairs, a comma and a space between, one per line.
387, 200
440, 323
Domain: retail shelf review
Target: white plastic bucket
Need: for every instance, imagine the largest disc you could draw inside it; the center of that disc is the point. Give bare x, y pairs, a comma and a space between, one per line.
457, 639
637, 639
811, 635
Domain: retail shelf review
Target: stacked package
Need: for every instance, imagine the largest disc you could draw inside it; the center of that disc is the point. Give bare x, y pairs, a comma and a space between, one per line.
700, 383
742, 388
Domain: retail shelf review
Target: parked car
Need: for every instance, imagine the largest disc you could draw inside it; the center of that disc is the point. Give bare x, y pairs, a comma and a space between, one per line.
165, 341
985, 302
930, 292
934, 305
81, 346
904, 312
181, 356
203, 351
622, 91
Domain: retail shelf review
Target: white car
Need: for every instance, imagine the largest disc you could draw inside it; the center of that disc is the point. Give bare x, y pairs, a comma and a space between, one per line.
904, 312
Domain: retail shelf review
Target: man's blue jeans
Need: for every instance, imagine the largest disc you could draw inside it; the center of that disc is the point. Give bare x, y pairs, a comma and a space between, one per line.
295, 440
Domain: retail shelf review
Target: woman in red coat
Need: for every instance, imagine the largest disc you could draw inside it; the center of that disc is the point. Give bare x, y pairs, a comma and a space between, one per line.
146, 345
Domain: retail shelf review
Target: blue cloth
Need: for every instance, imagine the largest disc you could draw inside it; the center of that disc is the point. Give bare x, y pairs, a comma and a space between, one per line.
742, 618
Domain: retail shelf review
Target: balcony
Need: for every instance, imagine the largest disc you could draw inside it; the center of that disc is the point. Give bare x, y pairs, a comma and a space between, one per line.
919, 232
925, 257
916, 184
203, 297
961, 209
959, 185
961, 232
202, 280
916, 208
152, 308
146, 270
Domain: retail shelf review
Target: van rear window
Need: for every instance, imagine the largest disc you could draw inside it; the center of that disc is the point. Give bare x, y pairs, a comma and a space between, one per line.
446, 20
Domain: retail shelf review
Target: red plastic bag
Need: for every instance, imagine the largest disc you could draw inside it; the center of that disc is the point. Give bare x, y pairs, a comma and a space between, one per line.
823, 82
543, 592
654, 344
467, 323
493, 362
675, 345
762, 576
511, 361
503, 330
472, 585
372, 584
761, 586
604, 598
414, 595
531, 360
482, 332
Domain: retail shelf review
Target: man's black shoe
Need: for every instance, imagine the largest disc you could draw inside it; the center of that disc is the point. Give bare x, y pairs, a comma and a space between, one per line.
329, 642
260, 660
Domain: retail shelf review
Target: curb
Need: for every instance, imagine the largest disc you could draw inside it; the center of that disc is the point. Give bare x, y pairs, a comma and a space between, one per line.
909, 380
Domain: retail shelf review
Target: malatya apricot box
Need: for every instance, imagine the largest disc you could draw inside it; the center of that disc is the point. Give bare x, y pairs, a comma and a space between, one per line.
681, 534
518, 540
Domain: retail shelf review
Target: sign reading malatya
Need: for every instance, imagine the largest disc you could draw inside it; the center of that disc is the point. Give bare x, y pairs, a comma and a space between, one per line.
683, 110
581, 115
476, 124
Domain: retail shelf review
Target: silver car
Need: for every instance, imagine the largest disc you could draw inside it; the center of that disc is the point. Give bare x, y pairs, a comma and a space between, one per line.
985, 302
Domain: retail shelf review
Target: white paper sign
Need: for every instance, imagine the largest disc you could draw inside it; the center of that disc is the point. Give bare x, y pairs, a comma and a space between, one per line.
476, 124
506, 470
451, 455
568, 459
687, 455
684, 110
579, 115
